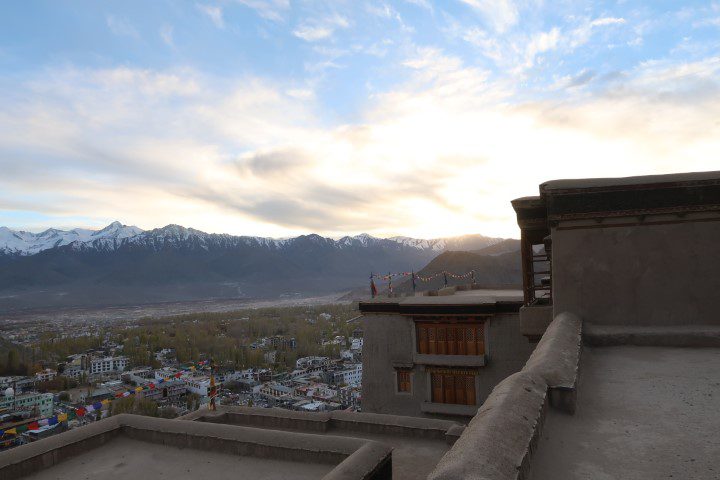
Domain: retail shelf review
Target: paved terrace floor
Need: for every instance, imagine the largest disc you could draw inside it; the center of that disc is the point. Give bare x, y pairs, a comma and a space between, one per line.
412, 458
125, 458
643, 413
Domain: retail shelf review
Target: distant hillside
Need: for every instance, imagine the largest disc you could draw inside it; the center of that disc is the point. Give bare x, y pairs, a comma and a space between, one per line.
491, 270
506, 246
122, 265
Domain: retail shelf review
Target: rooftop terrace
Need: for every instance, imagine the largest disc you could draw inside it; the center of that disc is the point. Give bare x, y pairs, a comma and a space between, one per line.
643, 412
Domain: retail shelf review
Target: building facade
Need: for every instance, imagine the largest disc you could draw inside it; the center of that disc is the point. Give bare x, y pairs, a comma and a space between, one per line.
43, 402
439, 355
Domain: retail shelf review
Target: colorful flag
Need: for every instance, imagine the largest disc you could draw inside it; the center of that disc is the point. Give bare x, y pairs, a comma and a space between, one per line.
63, 417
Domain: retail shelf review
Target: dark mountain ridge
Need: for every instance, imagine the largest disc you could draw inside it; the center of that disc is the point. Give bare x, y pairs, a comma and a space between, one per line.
175, 263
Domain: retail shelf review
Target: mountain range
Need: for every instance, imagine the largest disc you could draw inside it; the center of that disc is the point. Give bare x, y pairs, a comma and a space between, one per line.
121, 265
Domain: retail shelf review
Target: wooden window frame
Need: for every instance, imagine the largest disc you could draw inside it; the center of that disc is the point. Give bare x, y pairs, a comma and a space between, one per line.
453, 387
446, 336
403, 381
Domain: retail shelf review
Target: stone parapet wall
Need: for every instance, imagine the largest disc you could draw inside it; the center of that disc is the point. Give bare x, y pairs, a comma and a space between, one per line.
340, 421
499, 441
356, 459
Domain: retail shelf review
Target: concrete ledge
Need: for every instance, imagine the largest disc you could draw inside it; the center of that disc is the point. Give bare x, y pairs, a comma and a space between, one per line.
498, 442
356, 459
450, 360
556, 360
657, 336
446, 291
374, 423
449, 409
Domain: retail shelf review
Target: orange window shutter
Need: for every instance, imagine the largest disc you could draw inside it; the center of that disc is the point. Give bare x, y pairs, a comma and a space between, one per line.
460, 396
480, 340
470, 341
441, 343
431, 340
461, 341
449, 388
422, 339
437, 391
451, 345
470, 390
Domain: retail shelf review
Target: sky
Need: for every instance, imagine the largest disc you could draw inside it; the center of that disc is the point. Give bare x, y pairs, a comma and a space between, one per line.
283, 117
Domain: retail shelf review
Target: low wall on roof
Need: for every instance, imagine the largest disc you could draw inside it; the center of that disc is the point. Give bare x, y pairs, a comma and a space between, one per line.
355, 459
499, 441
380, 424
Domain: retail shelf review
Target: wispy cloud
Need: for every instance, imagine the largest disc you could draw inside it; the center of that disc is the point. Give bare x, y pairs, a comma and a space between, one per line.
274, 10
500, 14
121, 27
314, 30
214, 13
166, 34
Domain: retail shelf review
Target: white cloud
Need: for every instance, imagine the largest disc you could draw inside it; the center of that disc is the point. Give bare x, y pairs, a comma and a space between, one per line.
421, 3
274, 10
121, 27
215, 14
251, 156
581, 35
166, 34
500, 14
314, 30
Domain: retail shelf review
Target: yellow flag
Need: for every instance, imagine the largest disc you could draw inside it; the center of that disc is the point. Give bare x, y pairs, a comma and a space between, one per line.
106, 402
12, 431
62, 417
138, 389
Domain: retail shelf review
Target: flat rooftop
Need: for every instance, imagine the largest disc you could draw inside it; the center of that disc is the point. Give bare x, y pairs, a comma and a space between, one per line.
417, 444
124, 457
642, 413
460, 298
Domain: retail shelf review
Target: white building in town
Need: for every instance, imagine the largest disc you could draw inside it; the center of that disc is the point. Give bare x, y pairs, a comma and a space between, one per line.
349, 376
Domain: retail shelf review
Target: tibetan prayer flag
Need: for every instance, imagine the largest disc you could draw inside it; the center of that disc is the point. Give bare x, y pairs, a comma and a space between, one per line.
34, 426
22, 428
152, 386
12, 431
126, 394
178, 375
106, 402
138, 389
52, 421
63, 417
43, 422
89, 408
72, 415
2, 432
80, 412
97, 405
119, 394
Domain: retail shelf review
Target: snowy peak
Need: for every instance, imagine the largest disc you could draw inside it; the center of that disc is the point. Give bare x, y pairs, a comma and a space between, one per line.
27, 243
117, 235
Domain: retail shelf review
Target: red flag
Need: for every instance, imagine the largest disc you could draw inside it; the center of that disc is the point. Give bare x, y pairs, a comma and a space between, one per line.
152, 386
33, 426
178, 375
80, 412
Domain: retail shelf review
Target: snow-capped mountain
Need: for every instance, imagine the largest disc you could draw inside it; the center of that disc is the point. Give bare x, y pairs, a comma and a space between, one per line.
26, 243
116, 236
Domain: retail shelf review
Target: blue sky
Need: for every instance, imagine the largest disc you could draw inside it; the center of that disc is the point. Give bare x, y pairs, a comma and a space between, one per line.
276, 117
